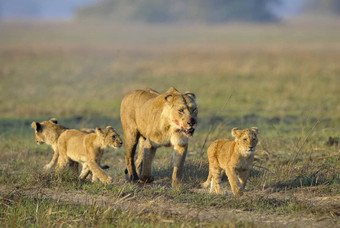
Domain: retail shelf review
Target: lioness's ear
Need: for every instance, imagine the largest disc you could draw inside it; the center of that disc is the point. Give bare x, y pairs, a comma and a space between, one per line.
99, 131
235, 132
191, 95
36, 126
53, 120
255, 129
172, 90
169, 97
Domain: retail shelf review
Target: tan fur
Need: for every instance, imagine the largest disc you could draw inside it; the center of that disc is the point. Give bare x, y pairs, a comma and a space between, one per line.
85, 148
48, 132
156, 120
235, 157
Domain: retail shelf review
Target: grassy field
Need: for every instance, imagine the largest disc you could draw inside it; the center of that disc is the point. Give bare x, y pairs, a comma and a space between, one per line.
282, 78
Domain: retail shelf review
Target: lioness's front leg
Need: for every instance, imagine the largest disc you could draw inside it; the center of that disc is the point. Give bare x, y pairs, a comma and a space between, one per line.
140, 155
149, 154
179, 155
131, 144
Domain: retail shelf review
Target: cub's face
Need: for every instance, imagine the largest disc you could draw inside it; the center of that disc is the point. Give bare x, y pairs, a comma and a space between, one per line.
246, 139
183, 112
109, 137
45, 132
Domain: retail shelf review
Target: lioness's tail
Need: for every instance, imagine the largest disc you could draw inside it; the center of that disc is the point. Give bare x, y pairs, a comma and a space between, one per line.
206, 184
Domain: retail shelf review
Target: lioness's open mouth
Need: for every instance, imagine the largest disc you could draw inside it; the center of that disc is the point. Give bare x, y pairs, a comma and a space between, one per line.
188, 132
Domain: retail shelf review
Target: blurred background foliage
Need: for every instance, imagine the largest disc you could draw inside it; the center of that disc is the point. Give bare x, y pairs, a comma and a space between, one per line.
162, 11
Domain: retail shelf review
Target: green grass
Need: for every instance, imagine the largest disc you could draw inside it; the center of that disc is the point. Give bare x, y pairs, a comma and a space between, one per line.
281, 78
26, 212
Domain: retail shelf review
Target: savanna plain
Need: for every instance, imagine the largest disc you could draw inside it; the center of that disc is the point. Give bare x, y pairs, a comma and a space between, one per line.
282, 78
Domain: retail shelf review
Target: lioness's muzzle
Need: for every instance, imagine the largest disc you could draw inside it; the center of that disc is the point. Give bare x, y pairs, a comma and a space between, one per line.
189, 131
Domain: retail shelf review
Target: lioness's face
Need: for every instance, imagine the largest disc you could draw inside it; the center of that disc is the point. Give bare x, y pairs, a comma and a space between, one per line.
45, 132
110, 137
246, 139
183, 113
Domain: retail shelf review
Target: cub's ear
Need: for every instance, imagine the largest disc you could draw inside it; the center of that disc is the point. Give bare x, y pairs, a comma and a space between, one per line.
99, 131
109, 128
191, 95
36, 126
235, 132
255, 130
54, 120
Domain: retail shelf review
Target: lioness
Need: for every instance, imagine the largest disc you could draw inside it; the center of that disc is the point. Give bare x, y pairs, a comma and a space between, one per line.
235, 157
48, 132
156, 120
85, 148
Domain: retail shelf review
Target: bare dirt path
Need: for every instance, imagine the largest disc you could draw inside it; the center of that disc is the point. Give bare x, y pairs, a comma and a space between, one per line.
167, 207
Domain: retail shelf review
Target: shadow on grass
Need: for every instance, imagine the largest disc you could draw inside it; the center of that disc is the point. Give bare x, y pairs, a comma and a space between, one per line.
309, 176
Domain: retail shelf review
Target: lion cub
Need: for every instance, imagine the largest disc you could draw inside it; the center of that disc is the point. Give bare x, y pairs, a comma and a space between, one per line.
235, 157
78, 146
48, 132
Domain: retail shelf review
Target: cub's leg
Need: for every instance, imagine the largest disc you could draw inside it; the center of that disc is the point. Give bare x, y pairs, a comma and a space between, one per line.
99, 159
213, 165
234, 182
85, 171
63, 161
243, 176
98, 172
53, 160
216, 173
179, 154
207, 182
131, 140
148, 156
139, 161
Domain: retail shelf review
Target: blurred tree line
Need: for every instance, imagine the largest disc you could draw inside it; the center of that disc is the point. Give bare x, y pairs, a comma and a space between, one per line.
323, 6
211, 11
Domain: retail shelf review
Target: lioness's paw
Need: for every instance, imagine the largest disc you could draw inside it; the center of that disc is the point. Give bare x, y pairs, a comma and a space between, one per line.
130, 178
176, 183
205, 184
238, 194
146, 180
47, 167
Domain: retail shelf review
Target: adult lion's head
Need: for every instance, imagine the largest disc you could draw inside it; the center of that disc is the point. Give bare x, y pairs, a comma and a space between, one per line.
182, 111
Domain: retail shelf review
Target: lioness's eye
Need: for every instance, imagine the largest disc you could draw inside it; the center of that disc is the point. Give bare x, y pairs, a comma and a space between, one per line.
114, 137
245, 139
181, 111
